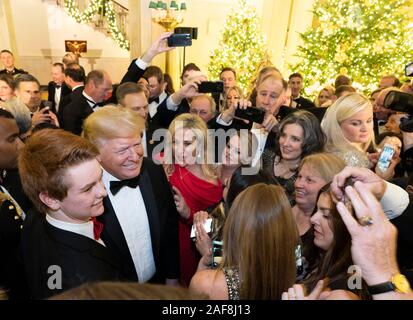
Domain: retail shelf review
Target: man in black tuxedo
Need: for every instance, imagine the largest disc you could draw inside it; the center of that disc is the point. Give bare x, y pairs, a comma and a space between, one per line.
141, 221
57, 88
229, 77
98, 85
61, 245
75, 80
13, 207
295, 81
134, 96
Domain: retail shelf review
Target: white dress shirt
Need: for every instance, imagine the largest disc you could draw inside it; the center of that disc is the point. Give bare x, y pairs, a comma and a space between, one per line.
132, 216
57, 96
84, 229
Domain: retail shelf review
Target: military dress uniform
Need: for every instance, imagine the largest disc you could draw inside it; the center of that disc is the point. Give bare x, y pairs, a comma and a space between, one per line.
13, 72
12, 281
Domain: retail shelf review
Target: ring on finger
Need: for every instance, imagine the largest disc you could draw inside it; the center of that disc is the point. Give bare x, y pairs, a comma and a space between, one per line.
365, 220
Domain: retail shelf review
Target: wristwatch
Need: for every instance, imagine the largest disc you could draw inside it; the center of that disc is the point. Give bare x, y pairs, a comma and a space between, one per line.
397, 283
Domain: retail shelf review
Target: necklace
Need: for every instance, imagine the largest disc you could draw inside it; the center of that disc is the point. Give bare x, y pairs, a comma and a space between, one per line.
182, 176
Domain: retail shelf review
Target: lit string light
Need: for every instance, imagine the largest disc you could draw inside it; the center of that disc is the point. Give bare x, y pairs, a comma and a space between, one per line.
241, 46
365, 38
98, 7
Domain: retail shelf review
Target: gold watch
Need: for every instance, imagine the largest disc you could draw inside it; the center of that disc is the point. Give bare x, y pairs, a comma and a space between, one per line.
397, 283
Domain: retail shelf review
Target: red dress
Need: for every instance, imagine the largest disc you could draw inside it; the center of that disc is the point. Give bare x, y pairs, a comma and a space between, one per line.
199, 195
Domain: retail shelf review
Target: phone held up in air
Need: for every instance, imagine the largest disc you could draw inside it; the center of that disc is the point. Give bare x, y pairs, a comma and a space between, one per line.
385, 157
211, 86
180, 40
207, 227
252, 114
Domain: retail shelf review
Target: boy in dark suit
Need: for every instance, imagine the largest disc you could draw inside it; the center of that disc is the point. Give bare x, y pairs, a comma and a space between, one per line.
61, 245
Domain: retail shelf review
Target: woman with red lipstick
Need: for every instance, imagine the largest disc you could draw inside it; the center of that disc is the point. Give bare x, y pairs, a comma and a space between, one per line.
194, 181
300, 135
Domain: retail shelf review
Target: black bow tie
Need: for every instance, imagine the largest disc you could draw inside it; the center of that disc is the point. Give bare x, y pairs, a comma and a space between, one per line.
115, 186
154, 99
57, 86
95, 105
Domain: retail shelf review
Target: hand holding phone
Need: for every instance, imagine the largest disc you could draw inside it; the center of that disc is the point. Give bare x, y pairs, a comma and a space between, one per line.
211, 86
385, 157
207, 227
252, 114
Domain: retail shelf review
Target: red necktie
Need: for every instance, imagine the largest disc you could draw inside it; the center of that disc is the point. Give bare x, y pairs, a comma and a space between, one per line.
97, 228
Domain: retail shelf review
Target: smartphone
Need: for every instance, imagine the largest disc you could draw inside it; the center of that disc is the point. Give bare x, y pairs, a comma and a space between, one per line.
207, 227
211, 86
46, 105
216, 253
385, 157
180, 40
252, 114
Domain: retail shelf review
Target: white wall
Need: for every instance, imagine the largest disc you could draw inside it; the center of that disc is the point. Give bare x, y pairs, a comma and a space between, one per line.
41, 28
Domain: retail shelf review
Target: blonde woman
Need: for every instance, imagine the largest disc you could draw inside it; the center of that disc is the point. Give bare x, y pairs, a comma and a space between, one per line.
194, 182
325, 97
348, 125
232, 97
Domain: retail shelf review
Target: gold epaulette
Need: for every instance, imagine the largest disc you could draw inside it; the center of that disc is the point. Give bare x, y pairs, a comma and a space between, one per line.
5, 197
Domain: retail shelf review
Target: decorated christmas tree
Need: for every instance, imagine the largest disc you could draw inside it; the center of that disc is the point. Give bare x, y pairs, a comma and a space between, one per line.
363, 39
241, 46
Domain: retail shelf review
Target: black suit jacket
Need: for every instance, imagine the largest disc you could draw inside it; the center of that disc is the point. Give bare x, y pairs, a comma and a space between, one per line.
64, 101
133, 74
163, 224
80, 258
75, 113
51, 89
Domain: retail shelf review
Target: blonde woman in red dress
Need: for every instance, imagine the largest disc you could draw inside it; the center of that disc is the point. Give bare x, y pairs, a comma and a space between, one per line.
194, 181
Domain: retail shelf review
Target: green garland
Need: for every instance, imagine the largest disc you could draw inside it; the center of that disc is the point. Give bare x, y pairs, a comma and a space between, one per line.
104, 7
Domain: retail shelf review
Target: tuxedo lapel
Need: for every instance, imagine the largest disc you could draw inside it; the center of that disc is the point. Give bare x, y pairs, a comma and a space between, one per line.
146, 188
81, 243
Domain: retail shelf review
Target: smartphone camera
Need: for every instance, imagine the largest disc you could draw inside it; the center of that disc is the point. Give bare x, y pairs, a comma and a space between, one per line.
251, 114
211, 87
180, 40
385, 157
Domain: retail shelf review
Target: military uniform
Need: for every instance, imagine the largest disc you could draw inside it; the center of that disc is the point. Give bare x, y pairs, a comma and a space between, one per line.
12, 203
11, 223
13, 72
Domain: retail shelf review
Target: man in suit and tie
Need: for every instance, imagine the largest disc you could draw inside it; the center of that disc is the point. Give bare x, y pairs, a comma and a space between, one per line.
140, 219
75, 80
57, 88
98, 85
134, 96
61, 245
